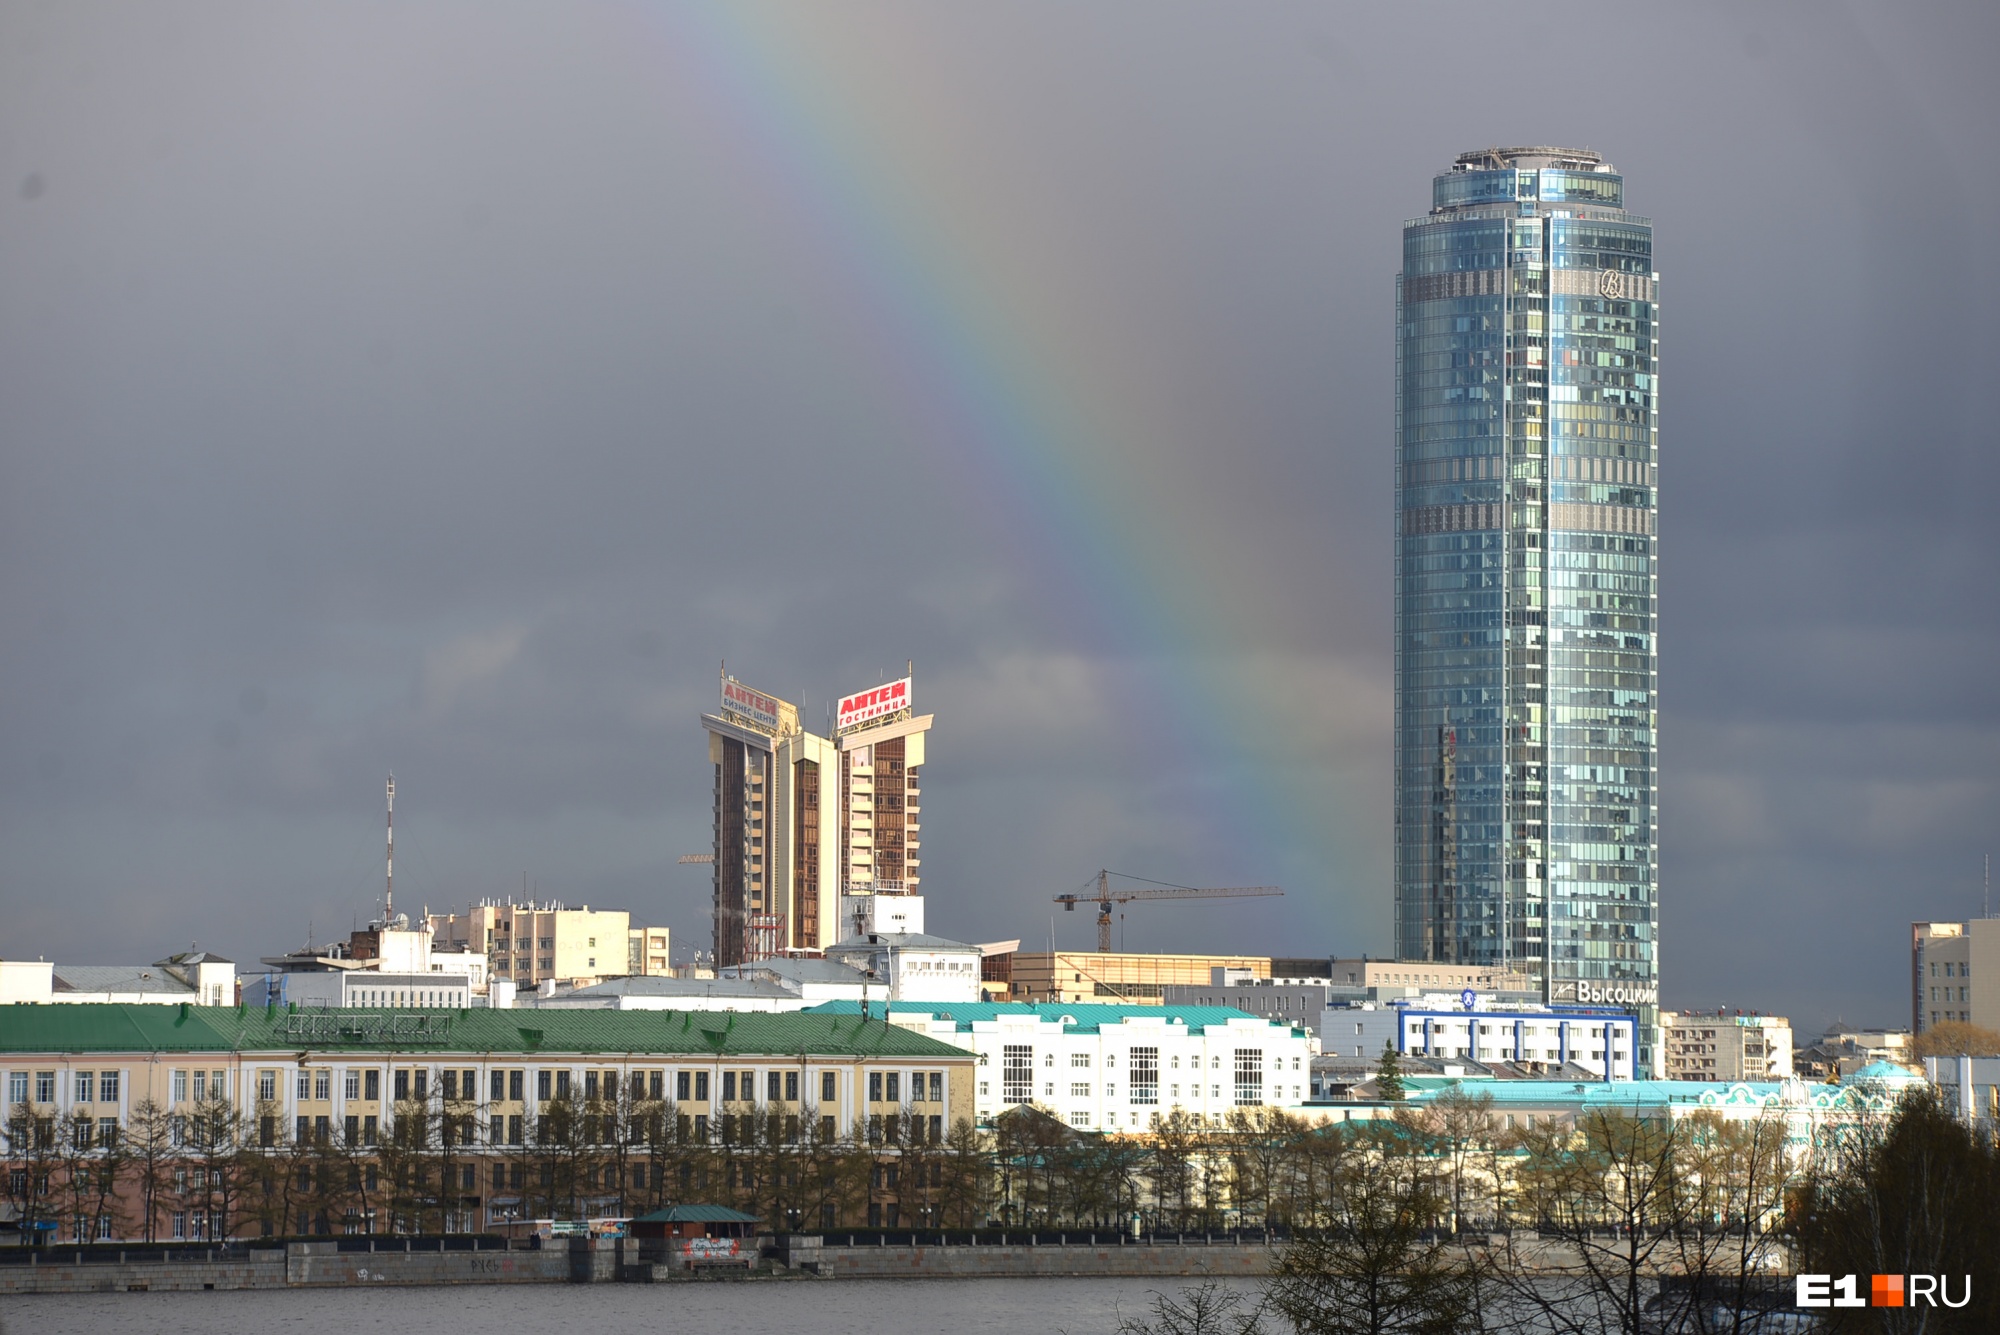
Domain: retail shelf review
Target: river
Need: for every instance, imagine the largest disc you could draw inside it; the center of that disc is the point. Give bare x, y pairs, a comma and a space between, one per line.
829, 1307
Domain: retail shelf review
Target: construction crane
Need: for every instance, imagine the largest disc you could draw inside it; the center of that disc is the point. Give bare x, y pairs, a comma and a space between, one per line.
1106, 897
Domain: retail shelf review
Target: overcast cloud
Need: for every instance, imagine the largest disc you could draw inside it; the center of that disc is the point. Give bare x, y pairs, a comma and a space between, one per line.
448, 388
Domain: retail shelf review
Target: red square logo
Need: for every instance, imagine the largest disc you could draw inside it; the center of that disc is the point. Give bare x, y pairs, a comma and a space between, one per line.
1885, 1291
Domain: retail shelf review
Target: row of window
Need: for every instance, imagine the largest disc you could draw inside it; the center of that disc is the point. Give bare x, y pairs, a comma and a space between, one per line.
89, 1087
463, 1085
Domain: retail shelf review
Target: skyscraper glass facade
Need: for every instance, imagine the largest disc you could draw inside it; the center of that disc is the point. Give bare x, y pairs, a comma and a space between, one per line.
1526, 565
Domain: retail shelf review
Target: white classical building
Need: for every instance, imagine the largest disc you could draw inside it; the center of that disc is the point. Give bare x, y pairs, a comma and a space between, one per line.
1115, 1068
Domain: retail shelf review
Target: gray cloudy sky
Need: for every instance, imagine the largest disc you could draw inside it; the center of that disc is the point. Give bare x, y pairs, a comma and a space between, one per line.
447, 388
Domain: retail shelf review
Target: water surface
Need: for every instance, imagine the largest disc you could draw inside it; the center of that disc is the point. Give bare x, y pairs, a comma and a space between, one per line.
808, 1307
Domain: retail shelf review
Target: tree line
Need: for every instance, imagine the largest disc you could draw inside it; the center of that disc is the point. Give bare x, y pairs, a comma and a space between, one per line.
1437, 1218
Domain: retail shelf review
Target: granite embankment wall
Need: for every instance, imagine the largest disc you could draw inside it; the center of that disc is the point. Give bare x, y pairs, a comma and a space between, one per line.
329, 1265
299, 1264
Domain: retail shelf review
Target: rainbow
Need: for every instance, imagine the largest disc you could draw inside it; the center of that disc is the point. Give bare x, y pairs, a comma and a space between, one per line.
1025, 408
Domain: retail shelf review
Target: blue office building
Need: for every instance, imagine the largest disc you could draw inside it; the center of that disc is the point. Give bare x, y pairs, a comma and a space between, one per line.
1526, 565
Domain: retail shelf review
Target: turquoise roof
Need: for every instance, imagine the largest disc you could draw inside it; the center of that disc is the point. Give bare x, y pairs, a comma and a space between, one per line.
1887, 1072
1087, 1017
1651, 1093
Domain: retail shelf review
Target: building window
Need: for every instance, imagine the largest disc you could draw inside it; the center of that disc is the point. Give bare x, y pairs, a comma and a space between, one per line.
45, 1086
937, 1086
267, 1086
17, 1087
1144, 1077
86, 1085
1249, 1077
1079, 1059
1017, 1073
829, 1086
1079, 1089
373, 1080
350, 1084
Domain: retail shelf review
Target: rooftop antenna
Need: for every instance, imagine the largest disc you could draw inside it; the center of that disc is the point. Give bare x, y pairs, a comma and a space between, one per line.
389, 875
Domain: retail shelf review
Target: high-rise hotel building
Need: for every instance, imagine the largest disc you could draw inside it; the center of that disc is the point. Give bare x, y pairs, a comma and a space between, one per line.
1527, 563
801, 820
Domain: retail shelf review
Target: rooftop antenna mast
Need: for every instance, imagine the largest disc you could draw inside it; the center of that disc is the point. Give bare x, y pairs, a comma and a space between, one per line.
389, 882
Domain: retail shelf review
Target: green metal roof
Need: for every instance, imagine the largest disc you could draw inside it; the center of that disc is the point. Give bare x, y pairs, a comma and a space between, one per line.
136, 1028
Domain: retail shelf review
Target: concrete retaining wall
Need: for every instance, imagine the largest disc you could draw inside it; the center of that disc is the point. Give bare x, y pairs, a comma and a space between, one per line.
323, 1265
262, 1270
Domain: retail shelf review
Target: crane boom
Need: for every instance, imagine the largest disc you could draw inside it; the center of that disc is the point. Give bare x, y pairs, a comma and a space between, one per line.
1106, 897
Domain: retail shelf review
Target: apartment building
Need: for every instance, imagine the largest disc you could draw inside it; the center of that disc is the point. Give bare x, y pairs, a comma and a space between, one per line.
1955, 973
528, 944
91, 1077
1721, 1046
1114, 1068
802, 820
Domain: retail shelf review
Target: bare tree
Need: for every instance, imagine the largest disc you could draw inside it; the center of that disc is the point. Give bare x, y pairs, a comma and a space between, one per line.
1606, 1194
34, 1159
1379, 1262
1457, 1128
151, 1149
1735, 1180
1207, 1308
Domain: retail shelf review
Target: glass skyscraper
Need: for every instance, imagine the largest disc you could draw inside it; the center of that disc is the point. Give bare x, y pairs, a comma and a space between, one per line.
1527, 347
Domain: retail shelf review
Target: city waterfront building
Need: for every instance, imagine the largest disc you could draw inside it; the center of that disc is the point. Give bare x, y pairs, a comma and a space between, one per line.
1526, 566
664, 994
1698, 1046
1112, 1067
1105, 975
337, 1086
1602, 1042
1969, 1087
199, 977
1842, 1051
386, 964
912, 966
1815, 1117
803, 823
1955, 973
